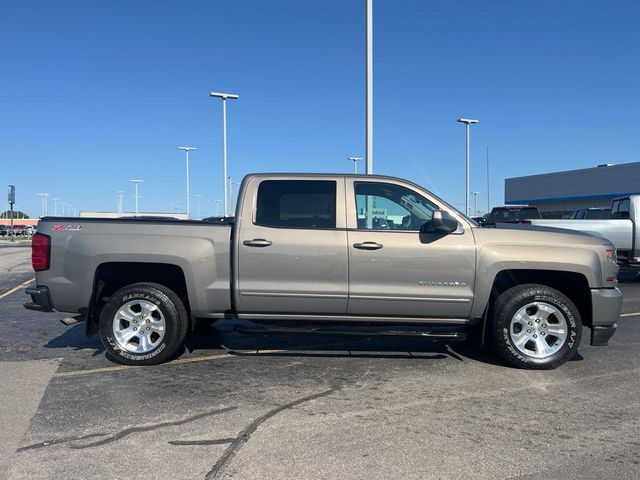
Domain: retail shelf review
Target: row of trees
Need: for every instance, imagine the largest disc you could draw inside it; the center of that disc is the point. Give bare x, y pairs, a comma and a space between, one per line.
16, 214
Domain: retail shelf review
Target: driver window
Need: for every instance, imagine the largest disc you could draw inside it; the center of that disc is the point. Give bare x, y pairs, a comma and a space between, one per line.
384, 206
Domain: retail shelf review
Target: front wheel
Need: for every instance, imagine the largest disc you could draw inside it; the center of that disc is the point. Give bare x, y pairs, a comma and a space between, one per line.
143, 324
535, 327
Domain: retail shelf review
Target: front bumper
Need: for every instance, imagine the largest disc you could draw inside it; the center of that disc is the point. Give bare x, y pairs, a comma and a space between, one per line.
606, 305
40, 299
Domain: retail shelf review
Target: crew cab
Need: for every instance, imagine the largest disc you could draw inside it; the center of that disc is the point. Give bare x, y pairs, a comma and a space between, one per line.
365, 252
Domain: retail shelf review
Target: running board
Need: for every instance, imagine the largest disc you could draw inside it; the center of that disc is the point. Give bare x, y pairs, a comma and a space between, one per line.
432, 333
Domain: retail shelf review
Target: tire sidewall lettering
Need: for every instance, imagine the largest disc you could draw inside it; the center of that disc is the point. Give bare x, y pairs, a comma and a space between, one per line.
515, 301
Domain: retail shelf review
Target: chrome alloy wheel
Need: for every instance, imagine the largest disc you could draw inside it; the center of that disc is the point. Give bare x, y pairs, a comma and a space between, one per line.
138, 326
538, 330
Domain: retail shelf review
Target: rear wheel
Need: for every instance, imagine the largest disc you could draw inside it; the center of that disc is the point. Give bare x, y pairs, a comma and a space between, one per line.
143, 324
536, 327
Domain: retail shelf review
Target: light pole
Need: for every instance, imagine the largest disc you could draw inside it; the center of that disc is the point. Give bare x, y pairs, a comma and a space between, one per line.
369, 87
186, 151
468, 122
44, 196
61, 204
120, 201
475, 203
355, 161
55, 206
136, 182
224, 97
488, 180
198, 197
217, 207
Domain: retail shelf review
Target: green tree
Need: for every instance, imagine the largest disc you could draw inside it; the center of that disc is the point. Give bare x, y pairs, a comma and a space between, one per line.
16, 214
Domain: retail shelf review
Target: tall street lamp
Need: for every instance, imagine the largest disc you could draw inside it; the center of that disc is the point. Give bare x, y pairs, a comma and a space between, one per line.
198, 197
475, 203
224, 97
186, 151
120, 202
369, 86
136, 182
55, 206
355, 161
44, 196
468, 122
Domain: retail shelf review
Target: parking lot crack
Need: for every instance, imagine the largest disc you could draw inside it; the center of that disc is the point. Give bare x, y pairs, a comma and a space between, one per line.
244, 436
122, 434
220, 441
149, 428
50, 443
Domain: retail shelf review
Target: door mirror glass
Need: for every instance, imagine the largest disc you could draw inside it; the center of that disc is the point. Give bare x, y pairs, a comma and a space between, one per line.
442, 222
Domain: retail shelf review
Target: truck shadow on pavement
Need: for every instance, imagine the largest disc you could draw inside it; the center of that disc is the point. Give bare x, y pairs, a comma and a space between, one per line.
221, 336
75, 338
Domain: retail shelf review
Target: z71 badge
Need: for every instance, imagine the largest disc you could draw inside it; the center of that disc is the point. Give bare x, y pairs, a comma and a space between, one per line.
68, 228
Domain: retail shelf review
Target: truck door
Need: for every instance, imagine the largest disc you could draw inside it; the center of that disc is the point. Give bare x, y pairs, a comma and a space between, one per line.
394, 270
292, 247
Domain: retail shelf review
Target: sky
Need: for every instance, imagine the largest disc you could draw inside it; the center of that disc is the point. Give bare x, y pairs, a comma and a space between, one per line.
93, 94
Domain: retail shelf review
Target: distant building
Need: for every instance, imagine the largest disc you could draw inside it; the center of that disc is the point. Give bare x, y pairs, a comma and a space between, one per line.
558, 194
179, 216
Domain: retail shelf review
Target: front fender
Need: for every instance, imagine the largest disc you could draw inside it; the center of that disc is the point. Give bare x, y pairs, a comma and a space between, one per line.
496, 258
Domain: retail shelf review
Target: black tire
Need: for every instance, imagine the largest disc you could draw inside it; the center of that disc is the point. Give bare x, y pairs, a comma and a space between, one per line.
174, 315
507, 306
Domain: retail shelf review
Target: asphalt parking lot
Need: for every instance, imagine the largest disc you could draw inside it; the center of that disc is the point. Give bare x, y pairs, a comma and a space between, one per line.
255, 407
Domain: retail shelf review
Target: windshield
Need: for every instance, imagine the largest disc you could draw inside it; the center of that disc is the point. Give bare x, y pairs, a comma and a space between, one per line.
598, 214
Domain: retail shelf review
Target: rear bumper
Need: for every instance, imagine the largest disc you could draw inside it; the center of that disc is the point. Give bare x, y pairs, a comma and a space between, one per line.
40, 299
606, 304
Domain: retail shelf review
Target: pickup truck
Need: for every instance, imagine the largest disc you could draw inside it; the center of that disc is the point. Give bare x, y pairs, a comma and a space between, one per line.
622, 228
374, 253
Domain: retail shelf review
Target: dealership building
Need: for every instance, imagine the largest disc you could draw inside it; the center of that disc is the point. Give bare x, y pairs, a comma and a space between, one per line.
558, 194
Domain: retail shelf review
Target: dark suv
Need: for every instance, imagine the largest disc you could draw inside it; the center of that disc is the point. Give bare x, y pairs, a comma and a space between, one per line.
518, 214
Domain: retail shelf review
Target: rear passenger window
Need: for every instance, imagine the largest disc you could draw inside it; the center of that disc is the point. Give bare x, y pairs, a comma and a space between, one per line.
297, 204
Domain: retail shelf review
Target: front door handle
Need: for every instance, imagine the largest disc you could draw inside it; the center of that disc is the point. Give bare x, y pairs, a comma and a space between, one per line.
368, 246
257, 242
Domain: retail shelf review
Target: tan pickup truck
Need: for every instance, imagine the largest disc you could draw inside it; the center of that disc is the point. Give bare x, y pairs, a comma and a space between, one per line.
368, 254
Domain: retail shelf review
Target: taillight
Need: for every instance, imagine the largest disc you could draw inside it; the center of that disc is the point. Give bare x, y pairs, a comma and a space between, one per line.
40, 251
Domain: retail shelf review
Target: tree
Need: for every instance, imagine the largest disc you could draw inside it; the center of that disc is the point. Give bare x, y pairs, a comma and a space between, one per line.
16, 214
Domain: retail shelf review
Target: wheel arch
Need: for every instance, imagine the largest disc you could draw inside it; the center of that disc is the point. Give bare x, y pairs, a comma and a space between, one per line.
109, 277
573, 284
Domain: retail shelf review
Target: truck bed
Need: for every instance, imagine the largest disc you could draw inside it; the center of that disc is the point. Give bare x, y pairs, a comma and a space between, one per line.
81, 246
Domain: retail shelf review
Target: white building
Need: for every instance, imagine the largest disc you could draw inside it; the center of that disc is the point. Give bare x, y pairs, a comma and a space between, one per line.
558, 194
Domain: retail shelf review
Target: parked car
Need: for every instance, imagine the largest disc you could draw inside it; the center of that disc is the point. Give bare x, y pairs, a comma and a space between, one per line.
483, 221
306, 250
591, 214
4, 230
513, 214
622, 228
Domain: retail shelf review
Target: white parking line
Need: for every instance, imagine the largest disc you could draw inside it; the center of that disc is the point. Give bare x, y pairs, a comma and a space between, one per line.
14, 289
634, 314
202, 358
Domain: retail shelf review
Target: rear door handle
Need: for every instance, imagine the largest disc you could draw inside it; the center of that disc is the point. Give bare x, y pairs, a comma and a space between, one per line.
257, 242
368, 246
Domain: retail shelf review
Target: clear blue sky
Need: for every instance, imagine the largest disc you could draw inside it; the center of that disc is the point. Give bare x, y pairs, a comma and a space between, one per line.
95, 93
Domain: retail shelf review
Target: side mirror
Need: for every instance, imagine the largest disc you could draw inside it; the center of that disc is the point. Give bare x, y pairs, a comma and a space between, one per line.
442, 222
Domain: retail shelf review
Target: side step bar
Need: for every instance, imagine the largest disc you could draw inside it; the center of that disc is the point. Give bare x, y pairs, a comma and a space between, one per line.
429, 332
